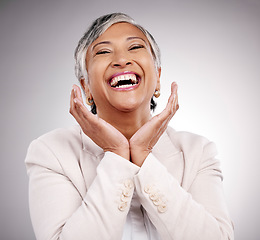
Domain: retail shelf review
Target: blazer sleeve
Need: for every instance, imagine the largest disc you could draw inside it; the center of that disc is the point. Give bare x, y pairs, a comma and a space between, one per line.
57, 209
199, 212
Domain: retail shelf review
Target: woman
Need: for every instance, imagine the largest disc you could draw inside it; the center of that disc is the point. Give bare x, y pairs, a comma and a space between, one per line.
122, 174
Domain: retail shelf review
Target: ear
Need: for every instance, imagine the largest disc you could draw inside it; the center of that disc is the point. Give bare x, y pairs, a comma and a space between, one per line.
85, 88
158, 83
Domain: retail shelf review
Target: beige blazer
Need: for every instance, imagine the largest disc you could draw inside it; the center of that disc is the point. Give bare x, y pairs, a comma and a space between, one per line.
76, 191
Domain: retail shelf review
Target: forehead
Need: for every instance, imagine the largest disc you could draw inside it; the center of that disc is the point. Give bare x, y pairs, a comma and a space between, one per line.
119, 31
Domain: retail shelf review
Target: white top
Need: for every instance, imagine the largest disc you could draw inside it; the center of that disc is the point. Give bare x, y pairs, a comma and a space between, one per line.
138, 226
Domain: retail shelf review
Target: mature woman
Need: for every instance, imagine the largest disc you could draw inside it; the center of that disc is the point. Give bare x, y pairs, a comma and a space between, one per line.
123, 174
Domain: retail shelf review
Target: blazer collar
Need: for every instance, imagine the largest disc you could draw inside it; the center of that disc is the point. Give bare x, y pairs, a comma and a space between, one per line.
165, 145
168, 153
89, 146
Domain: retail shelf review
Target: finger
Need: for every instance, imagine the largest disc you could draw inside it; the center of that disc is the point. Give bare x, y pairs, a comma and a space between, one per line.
173, 106
83, 116
84, 113
74, 113
79, 106
173, 98
72, 103
174, 88
176, 99
77, 92
75, 110
164, 117
170, 107
171, 113
168, 113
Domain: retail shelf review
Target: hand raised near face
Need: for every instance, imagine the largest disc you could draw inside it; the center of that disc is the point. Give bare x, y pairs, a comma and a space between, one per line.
143, 141
102, 133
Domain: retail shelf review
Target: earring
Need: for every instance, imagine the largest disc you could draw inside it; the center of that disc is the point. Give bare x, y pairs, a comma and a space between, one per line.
89, 101
157, 93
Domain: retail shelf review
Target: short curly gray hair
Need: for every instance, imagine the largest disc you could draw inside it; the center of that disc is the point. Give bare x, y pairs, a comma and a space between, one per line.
98, 27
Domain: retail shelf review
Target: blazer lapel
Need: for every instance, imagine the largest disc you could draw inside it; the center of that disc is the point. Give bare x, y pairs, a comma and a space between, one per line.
170, 156
90, 157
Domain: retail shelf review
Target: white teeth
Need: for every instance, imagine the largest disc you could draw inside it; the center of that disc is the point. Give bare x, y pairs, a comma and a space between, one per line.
115, 80
124, 86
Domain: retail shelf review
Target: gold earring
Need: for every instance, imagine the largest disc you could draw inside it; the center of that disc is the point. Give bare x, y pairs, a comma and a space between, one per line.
157, 93
89, 101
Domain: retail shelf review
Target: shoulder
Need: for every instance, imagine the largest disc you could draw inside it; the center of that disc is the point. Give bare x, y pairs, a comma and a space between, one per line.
182, 137
61, 135
191, 143
199, 154
57, 144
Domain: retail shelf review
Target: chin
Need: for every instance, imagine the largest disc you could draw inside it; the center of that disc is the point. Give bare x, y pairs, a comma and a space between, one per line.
127, 109
130, 104
131, 107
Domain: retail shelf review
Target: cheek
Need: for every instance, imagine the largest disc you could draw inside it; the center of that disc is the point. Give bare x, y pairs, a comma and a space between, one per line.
152, 73
98, 67
148, 62
94, 73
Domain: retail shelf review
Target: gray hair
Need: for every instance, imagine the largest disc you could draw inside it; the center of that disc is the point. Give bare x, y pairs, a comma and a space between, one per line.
98, 27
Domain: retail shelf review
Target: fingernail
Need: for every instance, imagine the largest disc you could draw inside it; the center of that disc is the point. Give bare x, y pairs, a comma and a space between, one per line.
75, 92
75, 100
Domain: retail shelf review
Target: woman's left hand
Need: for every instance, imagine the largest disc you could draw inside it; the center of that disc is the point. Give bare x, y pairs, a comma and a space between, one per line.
143, 141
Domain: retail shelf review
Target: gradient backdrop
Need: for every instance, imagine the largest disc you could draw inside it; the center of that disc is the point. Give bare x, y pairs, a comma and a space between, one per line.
210, 48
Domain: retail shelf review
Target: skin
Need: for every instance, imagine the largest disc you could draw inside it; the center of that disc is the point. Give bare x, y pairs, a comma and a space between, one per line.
124, 124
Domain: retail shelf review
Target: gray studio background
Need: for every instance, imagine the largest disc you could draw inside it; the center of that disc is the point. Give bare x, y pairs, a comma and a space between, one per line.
211, 48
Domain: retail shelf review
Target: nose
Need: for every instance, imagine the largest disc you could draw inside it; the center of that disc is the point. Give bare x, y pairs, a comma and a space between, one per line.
121, 60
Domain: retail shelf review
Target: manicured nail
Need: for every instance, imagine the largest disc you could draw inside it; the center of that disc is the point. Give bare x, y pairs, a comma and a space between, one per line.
75, 100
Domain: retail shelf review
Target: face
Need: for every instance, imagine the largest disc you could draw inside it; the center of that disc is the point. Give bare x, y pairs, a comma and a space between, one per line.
121, 70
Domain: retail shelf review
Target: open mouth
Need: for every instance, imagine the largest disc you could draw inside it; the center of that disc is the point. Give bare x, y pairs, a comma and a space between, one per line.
125, 80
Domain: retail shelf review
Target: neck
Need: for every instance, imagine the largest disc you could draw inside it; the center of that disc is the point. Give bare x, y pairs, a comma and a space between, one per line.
126, 122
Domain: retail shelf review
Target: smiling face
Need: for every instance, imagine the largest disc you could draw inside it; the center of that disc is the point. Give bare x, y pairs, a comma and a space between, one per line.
121, 72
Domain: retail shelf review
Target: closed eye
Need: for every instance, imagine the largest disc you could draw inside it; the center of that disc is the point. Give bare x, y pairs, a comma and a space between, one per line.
102, 52
136, 47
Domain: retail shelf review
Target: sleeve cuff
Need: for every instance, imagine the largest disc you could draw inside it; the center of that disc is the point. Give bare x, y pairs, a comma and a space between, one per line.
117, 166
151, 172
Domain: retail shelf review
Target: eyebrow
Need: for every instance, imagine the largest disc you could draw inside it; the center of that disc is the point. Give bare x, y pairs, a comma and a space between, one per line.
128, 39
104, 42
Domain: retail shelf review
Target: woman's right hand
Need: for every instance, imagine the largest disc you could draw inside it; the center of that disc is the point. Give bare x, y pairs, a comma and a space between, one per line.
102, 133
